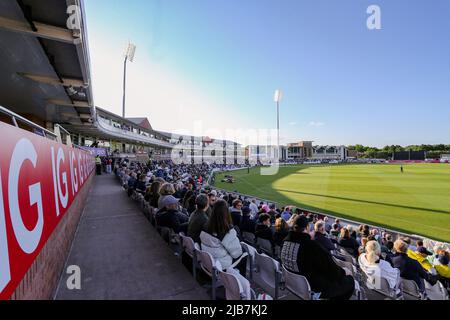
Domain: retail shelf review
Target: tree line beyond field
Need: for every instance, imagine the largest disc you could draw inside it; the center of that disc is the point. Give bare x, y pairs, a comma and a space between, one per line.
433, 151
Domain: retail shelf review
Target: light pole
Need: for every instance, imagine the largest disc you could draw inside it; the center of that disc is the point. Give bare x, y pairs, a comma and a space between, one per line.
129, 55
278, 97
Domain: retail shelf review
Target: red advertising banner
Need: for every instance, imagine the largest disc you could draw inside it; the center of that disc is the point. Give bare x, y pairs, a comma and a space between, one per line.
39, 180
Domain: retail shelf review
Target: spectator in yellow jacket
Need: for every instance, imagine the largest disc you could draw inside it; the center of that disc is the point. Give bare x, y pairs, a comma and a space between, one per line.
421, 256
443, 269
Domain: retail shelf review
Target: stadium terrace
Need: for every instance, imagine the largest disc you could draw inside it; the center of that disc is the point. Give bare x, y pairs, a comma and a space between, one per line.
148, 214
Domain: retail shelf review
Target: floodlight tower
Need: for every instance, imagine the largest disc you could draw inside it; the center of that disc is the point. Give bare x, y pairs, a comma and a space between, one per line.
129, 56
278, 97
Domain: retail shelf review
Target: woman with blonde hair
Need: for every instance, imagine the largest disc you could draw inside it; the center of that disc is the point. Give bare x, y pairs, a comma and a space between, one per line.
375, 268
291, 221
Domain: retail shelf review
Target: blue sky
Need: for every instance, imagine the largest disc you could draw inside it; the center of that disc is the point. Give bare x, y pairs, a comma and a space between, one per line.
219, 62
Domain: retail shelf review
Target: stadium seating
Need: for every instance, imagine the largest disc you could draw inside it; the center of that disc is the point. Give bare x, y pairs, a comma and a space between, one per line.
411, 290
267, 274
234, 289
191, 249
251, 260
436, 292
265, 246
249, 237
208, 265
298, 285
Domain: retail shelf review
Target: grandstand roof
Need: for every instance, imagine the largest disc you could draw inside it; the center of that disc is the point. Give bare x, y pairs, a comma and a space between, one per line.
143, 122
45, 66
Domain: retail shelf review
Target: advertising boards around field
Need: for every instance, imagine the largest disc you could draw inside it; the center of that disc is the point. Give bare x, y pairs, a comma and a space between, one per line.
39, 180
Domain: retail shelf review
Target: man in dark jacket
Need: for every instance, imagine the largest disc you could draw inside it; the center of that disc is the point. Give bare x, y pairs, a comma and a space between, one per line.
304, 256
198, 221
410, 269
247, 224
169, 216
321, 238
264, 229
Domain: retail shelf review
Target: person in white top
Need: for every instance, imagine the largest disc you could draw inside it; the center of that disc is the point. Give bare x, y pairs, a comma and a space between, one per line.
253, 208
375, 268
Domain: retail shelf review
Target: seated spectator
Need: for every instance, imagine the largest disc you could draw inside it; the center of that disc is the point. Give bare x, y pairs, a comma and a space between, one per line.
221, 239
187, 196
421, 256
338, 223
390, 251
253, 208
191, 205
362, 247
286, 215
198, 221
152, 194
264, 228
374, 267
132, 181
439, 249
141, 184
410, 269
321, 237
247, 223
302, 255
407, 240
236, 213
348, 243
272, 212
291, 221
334, 233
167, 189
170, 216
443, 270
281, 231
328, 225
212, 198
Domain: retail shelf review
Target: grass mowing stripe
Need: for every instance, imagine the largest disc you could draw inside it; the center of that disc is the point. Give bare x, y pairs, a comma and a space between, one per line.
417, 201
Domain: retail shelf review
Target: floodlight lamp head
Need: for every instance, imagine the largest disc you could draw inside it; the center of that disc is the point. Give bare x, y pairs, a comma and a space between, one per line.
278, 96
131, 50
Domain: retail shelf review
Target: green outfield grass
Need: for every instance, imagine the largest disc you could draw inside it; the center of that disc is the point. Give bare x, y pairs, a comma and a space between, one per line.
416, 202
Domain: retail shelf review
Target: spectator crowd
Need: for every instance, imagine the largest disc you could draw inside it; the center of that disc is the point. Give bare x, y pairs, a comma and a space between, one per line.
335, 258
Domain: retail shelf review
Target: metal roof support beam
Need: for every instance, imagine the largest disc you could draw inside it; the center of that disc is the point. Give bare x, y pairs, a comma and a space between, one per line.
67, 82
44, 31
79, 104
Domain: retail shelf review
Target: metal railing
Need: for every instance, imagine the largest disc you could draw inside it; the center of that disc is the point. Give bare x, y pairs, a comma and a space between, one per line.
15, 118
110, 129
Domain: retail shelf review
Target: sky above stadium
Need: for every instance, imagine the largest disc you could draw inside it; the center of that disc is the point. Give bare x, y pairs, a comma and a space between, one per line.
210, 67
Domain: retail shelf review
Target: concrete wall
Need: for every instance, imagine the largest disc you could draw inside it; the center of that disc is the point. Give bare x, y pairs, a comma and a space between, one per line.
42, 278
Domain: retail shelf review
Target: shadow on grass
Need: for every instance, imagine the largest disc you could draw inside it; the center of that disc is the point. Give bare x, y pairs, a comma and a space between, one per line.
274, 195
366, 201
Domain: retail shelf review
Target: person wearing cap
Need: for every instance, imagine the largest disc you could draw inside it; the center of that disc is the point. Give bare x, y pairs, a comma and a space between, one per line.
410, 269
421, 256
301, 255
170, 216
